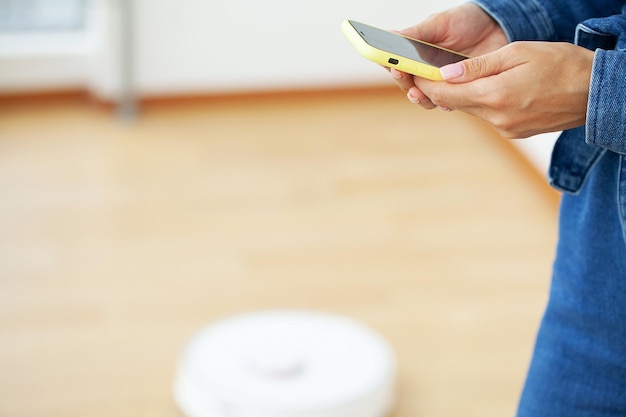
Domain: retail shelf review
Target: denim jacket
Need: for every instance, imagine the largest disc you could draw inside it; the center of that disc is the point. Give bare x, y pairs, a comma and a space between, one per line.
598, 25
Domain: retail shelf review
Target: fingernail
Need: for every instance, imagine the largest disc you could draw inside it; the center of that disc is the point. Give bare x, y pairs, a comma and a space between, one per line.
451, 71
413, 99
443, 108
395, 73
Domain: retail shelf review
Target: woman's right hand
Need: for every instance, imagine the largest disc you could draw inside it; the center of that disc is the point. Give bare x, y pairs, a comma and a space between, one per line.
467, 29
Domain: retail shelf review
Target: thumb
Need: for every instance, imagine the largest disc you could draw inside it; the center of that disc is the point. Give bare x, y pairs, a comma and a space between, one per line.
473, 68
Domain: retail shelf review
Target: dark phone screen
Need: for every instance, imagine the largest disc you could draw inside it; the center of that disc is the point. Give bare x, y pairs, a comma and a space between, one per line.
408, 48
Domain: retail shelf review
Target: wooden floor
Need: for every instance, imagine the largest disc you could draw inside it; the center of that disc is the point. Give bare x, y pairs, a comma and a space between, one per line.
119, 240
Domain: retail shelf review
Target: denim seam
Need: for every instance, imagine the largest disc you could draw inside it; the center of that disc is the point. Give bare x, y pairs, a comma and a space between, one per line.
592, 110
621, 198
606, 111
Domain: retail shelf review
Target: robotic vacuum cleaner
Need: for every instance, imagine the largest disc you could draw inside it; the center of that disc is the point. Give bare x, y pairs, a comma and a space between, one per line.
286, 364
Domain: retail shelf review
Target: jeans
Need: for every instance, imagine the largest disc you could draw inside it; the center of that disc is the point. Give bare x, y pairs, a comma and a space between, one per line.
579, 363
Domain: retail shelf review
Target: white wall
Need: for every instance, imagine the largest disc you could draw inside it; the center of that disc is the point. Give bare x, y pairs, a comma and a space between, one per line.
205, 46
256, 44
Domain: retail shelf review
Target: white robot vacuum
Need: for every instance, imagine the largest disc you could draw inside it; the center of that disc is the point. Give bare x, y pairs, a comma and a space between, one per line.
286, 364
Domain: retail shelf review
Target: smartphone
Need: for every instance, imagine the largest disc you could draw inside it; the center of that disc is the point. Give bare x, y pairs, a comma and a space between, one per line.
396, 51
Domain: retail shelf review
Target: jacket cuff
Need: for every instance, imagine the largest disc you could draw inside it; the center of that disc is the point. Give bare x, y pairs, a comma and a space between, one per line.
606, 109
520, 20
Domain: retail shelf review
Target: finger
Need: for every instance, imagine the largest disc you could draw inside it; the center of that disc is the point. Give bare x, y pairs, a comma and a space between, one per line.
402, 79
446, 95
430, 30
481, 66
416, 96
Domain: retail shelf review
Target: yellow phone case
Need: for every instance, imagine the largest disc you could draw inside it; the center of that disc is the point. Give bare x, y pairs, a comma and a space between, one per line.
389, 59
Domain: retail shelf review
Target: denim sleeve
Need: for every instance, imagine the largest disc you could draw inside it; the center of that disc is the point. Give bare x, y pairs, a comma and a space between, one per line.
546, 20
520, 20
606, 111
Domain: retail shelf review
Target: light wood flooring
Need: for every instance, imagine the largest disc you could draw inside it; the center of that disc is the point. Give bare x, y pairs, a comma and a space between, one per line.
119, 240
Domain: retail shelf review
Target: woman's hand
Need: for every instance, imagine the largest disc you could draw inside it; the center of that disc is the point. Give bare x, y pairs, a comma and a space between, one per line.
522, 89
466, 29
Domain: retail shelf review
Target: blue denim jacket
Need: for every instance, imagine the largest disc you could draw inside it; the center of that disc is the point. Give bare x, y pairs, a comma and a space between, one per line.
599, 25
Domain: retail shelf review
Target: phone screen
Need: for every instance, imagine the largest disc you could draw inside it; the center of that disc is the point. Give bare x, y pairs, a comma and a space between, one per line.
408, 48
